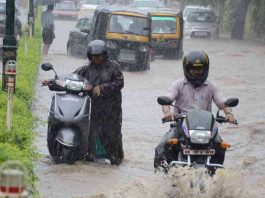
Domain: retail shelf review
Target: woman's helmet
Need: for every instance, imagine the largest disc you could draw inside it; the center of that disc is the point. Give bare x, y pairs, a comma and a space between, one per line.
196, 59
97, 47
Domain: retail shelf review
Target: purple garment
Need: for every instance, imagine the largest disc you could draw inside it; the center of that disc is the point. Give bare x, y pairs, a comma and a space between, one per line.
187, 97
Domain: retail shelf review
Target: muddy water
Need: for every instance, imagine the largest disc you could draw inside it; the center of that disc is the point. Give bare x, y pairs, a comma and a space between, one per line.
236, 67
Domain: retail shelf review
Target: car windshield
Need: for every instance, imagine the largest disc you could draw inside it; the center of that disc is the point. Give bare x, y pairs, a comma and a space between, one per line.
205, 17
65, 6
145, 4
163, 24
187, 11
94, 2
128, 25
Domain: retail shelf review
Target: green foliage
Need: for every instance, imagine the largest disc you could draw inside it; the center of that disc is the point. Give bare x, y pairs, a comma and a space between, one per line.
258, 18
17, 144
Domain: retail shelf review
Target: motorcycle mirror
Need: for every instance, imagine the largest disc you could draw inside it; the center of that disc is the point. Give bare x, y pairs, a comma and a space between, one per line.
231, 102
46, 66
163, 100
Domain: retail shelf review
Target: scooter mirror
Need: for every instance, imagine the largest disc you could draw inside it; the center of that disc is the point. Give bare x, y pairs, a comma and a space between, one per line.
46, 66
163, 100
231, 102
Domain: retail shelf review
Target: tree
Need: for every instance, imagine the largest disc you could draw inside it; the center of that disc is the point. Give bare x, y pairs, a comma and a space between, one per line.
258, 18
238, 20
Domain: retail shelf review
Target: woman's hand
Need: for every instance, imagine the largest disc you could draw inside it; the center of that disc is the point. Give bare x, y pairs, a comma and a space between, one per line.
46, 82
97, 90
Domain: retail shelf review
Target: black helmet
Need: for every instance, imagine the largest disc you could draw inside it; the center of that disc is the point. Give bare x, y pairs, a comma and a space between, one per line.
97, 47
196, 59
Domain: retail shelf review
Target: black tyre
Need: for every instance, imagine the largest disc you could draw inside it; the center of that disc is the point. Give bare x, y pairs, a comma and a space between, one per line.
67, 155
69, 49
179, 53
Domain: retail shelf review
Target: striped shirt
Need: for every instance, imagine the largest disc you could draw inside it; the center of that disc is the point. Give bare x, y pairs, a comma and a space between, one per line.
187, 97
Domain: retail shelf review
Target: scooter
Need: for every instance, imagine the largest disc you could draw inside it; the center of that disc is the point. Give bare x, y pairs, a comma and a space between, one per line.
69, 117
197, 145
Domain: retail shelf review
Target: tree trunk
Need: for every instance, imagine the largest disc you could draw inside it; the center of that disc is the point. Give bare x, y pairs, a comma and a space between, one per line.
238, 20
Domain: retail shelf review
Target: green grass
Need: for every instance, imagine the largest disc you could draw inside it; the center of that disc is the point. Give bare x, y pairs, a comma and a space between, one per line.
18, 143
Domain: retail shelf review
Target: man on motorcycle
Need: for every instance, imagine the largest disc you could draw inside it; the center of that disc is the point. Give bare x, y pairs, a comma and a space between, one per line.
106, 81
193, 92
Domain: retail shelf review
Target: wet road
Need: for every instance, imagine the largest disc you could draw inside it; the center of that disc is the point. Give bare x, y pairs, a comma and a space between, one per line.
237, 67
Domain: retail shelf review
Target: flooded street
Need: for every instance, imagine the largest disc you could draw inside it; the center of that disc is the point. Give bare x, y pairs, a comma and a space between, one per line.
236, 67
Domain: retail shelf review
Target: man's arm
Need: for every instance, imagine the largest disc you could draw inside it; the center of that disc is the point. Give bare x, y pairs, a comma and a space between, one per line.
117, 82
219, 100
166, 110
172, 95
229, 115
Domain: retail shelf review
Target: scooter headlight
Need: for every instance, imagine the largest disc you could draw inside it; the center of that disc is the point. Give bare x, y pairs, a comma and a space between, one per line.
200, 136
74, 85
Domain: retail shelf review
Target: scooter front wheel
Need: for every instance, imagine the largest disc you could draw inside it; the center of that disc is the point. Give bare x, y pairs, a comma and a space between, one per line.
67, 155
64, 155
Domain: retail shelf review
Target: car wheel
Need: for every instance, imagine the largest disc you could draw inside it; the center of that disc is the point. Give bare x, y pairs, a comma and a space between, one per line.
179, 53
69, 49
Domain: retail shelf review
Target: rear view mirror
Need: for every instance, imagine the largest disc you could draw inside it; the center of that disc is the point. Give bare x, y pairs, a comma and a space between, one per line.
231, 102
46, 66
163, 100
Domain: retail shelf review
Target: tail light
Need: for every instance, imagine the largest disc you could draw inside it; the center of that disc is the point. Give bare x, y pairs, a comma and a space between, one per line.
225, 145
173, 141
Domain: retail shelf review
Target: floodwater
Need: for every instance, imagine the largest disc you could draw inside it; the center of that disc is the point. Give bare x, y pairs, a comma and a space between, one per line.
236, 67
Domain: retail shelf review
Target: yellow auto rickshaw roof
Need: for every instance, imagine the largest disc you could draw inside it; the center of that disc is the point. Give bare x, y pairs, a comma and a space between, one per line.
121, 10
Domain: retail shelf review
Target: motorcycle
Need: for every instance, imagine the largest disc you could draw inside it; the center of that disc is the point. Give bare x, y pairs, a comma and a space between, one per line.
69, 117
198, 142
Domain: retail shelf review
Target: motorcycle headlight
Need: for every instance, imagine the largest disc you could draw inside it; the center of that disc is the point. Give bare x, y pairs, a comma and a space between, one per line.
143, 48
200, 136
74, 85
112, 45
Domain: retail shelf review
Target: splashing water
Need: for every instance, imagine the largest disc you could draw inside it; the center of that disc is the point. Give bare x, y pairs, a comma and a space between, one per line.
185, 182
189, 182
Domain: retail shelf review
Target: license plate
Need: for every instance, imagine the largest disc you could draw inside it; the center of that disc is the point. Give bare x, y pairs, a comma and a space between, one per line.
198, 152
128, 55
201, 33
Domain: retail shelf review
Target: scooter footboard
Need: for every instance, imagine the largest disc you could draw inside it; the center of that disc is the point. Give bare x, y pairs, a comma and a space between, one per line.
67, 137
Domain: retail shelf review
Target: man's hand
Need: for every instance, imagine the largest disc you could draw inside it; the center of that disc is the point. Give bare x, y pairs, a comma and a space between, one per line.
96, 90
230, 117
45, 82
169, 115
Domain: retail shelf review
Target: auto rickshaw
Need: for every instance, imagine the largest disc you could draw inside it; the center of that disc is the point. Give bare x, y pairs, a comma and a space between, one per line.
127, 32
167, 32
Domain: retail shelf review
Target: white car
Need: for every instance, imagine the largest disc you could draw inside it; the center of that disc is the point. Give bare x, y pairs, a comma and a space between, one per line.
190, 8
89, 6
147, 4
201, 22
